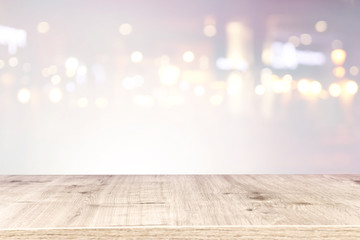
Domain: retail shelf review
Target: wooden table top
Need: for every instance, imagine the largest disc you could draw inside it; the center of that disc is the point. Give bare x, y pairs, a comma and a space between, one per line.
180, 207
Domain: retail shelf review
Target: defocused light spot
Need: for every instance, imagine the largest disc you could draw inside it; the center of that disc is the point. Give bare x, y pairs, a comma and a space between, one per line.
82, 70
71, 64
2, 64
188, 56
305, 39
52, 69
43, 27
334, 90
70, 86
216, 99
82, 102
13, 62
260, 90
339, 72
315, 87
294, 40
136, 57
125, 29
304, 86
209, 30
101, 102
199, 90
234, 84
338, 56
337, 44
351, 87
56, 79
169, 75
55, 95
24, 95
321, 26
354, 70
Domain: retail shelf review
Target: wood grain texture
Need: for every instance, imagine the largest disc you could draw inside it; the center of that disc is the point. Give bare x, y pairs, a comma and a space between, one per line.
180, 207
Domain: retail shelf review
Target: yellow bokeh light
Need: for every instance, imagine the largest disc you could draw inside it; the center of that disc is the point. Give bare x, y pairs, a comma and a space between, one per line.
82, 102
209, 30
304, 86
136, 57
55, 95
125, 29
13, 62
315, 87
24, 95
334, 90
71, 64
351, 87
56, 79
199, 90
338, 56
321, 26
339, 72
216, 99
43, 27
169, 75
294, 40
101, 102
305, 39
188, 56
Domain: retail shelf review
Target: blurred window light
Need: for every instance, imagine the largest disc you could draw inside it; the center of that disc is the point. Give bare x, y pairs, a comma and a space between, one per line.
334, 90
43, 27
13, 38
260, 90
169, 75
24, 95
13, 62
234, 84
199, 90
321, 26
315, 87
55, 95
136, 57
82, 102
216, 99
71, 64
229, 64
338, 56
351, 87
286, 56
337, 44
304, 86
209, 30
125, 29
339, 72
188, 57
305, 39
354, 71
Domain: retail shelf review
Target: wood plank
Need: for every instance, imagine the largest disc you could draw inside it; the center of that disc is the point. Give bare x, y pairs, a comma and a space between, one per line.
180, 207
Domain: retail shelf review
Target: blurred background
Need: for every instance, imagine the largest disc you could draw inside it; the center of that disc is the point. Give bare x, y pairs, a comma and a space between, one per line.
179, 87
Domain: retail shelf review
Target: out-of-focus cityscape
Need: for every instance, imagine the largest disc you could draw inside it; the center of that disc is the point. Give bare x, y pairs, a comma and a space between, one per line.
133, 87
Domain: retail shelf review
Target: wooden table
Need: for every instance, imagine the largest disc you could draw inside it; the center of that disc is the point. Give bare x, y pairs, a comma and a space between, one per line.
180, 207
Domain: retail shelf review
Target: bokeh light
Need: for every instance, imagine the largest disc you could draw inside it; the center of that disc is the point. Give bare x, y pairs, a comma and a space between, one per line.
338, 56
24, 95
55, 95
125, 29
136, 57
334, 90
43, 27
188, 56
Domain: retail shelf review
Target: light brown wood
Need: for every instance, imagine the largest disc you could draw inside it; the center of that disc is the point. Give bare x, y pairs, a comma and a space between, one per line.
180, 207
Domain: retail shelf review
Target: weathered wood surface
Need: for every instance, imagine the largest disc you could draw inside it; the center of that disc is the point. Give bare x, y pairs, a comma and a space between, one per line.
180, 207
